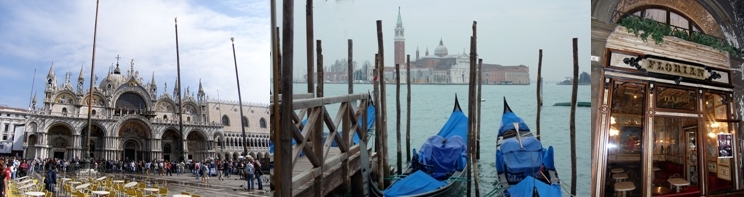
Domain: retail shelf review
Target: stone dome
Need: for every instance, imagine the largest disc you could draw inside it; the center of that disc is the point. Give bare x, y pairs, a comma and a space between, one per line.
114, 79
441, 50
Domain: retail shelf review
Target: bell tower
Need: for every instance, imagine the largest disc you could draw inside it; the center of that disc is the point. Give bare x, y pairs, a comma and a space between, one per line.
400, 42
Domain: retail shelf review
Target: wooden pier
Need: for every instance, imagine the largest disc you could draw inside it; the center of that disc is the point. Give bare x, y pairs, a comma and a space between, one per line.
301, 155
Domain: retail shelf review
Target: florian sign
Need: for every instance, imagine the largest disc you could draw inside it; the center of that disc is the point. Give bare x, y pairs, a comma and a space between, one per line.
673, 68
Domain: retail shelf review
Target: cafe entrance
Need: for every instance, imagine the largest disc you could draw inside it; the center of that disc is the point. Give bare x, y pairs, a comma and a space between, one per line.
660, 138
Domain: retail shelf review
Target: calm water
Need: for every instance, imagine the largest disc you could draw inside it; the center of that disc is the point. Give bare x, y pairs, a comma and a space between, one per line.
431, 106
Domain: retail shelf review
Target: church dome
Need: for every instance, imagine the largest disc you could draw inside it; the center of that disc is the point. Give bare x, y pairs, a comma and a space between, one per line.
441, 50
113, 79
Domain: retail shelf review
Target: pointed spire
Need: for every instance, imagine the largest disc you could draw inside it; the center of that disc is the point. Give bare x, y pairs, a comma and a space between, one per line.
80, 77
152, 81
400, 22
117, 70
440, 42
33, 100
51, 71
201, 89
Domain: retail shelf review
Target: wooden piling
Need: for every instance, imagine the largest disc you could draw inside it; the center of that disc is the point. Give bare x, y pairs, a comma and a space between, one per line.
284, 150
378, 128
539, 94
572, 123
399, 157
275, 116
383, 99
350, 69
309, 33
477, 129
317, 135
408, 108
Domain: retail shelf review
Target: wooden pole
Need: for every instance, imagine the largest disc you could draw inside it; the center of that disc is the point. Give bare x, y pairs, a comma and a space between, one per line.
309, 33
350, 70
286, 105
240, 98
477, 130
572, 123
539, 93
275, 116
317, 135
378, 127
87, 157
397, 119
408, 108
321, 71
383, 99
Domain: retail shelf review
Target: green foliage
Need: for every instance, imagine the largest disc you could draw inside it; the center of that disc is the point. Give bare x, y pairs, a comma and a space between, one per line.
643, 28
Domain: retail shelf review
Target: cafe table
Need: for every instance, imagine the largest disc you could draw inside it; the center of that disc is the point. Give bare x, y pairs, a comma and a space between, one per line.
678, 182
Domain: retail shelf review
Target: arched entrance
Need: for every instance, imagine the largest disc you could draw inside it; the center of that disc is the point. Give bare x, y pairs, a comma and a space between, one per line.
60, 136
169, 139
197, 145
31, 149
134, 135
97, 140
131, 150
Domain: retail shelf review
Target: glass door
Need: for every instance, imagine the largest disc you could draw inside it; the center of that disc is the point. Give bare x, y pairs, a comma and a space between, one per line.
675, 168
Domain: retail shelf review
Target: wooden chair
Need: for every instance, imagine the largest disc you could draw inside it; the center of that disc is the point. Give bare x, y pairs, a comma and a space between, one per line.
164, 191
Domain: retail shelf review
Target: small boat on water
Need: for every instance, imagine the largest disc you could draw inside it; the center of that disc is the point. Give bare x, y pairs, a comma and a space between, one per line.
438, 168
524, 167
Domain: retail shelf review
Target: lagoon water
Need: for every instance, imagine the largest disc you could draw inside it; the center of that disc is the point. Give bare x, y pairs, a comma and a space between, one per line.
431, 106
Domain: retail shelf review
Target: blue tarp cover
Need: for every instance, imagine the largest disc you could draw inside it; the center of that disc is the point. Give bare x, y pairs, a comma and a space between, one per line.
416, 183
446, 157
520, 161
457, 125
525, 187
507, 123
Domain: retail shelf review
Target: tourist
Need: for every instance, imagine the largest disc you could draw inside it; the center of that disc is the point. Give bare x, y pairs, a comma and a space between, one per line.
3, 188
227, 166
219, 170
249, 174
180, 168
169, 167
196, 167
204, 172
258, 173
147, 168
51, 179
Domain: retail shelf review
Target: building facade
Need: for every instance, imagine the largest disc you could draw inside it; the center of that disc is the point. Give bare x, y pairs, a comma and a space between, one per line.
131, 120
667, 109
12, 121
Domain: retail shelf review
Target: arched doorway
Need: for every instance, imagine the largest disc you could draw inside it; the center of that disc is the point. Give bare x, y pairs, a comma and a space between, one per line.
31, 149
97, 140
131, 150
134, 135
60, 136
197, 145
169, 140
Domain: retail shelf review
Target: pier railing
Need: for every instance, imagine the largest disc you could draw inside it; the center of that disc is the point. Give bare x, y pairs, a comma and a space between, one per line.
325, 172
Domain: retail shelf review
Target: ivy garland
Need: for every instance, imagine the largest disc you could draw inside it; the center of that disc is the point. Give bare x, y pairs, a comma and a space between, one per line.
643, 28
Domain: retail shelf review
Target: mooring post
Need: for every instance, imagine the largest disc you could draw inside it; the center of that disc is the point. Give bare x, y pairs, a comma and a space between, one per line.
318, 130
285, 150
477, 130
480, 102
408, 108
309, 41
539, 94
321, 71
350, 70
383, 100
378, 127
274, 120
399, 161
572, 123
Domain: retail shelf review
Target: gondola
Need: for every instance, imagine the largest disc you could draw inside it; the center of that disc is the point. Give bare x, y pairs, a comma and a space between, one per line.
524, 167
437, 169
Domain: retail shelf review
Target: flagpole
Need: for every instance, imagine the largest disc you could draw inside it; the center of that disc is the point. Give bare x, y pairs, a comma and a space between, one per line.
240, 100
179, 146
87, 158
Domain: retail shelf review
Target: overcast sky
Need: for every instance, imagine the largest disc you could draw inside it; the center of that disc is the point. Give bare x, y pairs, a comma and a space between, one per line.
509, 32
33, 34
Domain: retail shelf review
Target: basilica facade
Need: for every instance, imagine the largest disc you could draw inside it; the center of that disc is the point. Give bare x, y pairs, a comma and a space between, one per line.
131, 120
